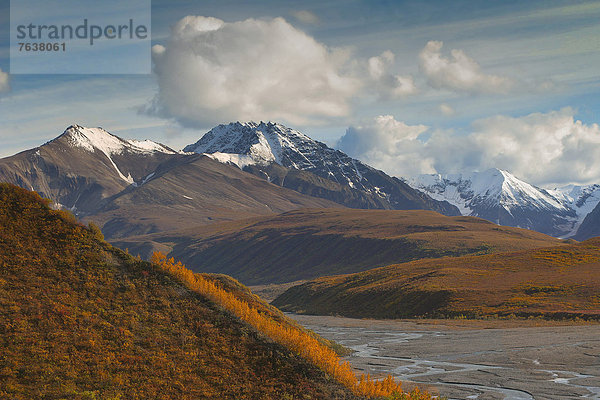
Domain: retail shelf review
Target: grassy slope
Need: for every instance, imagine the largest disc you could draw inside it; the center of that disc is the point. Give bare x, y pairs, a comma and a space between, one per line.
244, 293
305, 244
82, 320
554, 282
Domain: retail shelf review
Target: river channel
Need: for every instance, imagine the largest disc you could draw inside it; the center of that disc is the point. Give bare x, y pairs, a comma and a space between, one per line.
464, 360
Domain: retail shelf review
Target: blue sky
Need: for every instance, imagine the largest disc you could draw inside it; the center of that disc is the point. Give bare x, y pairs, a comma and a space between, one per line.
453, 68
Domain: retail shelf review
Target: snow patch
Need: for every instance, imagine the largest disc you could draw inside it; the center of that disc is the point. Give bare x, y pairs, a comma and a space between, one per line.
150, 146
147, 178
240, 160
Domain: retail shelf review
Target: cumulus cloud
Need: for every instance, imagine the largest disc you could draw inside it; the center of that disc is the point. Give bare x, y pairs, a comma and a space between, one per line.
541, 148
4, 86
306, 17
545, 148
459, 72
213, 71
385, 83
387, 144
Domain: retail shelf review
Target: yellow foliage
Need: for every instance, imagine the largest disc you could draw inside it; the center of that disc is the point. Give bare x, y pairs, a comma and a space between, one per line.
298, 341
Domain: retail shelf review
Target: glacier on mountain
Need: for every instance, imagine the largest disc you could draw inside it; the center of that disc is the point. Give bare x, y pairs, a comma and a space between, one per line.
500, 197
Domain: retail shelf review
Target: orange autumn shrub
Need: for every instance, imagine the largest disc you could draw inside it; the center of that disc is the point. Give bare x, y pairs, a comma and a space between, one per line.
298, 341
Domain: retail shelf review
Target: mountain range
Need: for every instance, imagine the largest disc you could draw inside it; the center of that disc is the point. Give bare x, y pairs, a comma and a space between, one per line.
272, 150
502, 198
138, 187
130, 187
280, 155
243, 170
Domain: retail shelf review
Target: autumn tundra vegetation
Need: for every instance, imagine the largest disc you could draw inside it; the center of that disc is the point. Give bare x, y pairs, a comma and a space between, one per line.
560, 282
295, 339
81, 319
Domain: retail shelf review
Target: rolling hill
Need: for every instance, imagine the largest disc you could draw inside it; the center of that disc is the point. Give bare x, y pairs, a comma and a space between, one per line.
84, 320
551, 282
305, 244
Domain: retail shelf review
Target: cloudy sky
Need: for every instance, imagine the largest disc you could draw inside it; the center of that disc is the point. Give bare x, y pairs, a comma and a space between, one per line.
407, 86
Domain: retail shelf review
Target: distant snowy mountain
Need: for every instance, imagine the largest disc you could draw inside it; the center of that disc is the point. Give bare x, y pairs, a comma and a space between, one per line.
93, 139
84, 167
265, 144
500, 197
590, 226
582, 199
97, 139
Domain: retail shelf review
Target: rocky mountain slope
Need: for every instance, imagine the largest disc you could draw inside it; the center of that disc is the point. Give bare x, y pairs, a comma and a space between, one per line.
192, 192
257, 146
590, 227
500, 197
83, 167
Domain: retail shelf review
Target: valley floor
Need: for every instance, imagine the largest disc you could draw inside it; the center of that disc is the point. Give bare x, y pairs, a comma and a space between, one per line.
464, 359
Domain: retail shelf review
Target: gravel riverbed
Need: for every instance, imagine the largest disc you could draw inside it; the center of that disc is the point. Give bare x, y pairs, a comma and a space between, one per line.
474, 359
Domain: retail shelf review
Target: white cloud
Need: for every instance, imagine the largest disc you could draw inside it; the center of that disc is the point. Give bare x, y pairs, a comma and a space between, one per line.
387, 144
4, 86
541, 148
386, 84
544, 148
306, 17
459, 73
212, 71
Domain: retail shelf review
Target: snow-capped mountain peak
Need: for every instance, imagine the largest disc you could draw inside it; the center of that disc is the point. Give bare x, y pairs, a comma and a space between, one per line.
500, 197
93, 139
264, 143
582, 199
116, 150
577, 196
491, 187
517, 192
